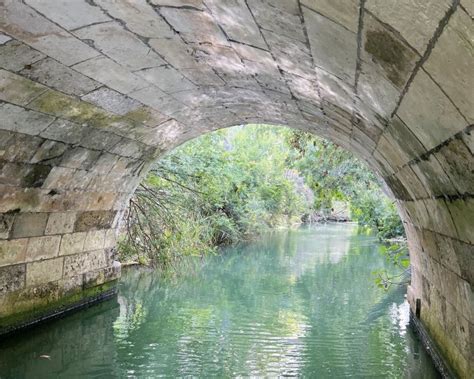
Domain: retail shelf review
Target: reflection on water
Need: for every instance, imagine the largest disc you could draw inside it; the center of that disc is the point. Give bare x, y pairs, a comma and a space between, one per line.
297, 303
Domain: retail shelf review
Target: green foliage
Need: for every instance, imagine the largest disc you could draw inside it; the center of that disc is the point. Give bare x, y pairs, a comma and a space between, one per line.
334, 174
237, 183
397, 254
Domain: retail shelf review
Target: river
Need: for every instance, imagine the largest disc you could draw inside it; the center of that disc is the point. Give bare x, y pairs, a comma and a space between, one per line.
294, 303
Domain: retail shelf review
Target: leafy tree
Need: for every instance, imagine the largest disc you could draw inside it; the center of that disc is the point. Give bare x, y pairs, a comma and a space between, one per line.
236, 183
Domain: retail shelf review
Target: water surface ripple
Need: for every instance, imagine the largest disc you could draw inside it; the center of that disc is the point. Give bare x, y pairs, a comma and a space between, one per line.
295, 303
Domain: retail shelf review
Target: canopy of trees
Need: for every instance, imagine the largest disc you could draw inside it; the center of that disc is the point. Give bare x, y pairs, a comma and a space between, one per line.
236, 183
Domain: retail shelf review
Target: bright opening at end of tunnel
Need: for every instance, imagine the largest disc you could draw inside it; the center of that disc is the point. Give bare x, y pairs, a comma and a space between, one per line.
237, 183
94, 92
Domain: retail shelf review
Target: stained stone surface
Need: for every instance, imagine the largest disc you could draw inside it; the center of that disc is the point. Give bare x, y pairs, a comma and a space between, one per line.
93, 91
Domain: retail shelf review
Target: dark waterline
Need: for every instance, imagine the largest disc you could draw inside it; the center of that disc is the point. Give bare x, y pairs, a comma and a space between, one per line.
296, 303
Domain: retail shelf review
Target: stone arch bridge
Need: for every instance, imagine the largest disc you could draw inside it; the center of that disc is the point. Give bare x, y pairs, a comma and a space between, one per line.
93, 91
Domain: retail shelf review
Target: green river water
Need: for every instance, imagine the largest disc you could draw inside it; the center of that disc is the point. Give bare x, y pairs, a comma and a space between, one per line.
295, 303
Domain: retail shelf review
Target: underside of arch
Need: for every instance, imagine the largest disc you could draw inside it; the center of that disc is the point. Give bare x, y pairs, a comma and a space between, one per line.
92, 92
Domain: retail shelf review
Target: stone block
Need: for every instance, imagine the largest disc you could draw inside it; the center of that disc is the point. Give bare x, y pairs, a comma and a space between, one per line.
412, 183
104, 163
462, 211
440, 219
65, 131
59, 178
130, 148
120, 45
110, 238
415, 20
282, 17
95, 240
392, 151
450, 62
80, 158
35, 175
12, 278
344, 12
156, 98
98, 201
387, 63
13, 174
6, 223
94, 220
383, 168
98, 139
166, 78
433, 177
20, 120
18, 90
49, 153
458, 163
60, 223
432, 119
333, 47
468, 137
27, 25
18, 147
42, 248
4, 39
417, 213
29, 225
70, 285
106, 71
84, 262
176, 52
96, 278
111, 101
465, 258
232, 14
72, 243
58, 76
45, 271
70, 14
139, 17
64, 48
405, 139
13, 251
194, 26
15, 56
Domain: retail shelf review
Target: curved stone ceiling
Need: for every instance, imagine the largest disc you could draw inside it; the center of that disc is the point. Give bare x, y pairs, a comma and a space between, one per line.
93, 91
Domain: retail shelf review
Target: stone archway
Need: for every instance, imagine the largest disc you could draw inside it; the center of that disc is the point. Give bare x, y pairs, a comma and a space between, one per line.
92, 91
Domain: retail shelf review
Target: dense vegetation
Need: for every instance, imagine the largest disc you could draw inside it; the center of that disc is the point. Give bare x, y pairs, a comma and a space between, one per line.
236, 183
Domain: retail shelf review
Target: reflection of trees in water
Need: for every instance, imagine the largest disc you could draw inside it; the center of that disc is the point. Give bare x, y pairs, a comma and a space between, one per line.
282, 282
280, 305
76, 344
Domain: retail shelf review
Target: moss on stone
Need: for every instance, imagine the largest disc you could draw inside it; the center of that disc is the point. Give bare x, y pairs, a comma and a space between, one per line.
36, 176
58, 104
141, 114
390, 53
32, 306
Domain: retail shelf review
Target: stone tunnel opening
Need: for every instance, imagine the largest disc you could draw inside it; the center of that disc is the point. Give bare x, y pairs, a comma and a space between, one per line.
92, 92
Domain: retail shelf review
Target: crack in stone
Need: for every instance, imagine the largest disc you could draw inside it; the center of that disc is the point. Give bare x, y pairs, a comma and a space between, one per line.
419, 64
308, 45
445, 94
93, 24
324, 16
186, 7
270, 51
360, 28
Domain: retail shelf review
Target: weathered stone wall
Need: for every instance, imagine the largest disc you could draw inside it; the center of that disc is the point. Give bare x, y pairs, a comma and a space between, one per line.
93, 91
